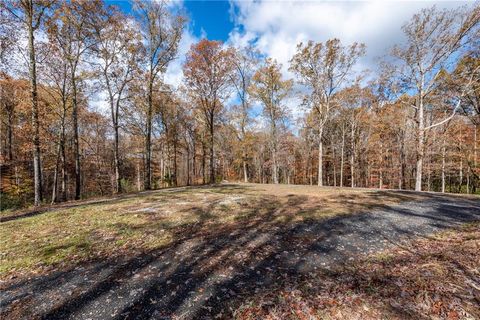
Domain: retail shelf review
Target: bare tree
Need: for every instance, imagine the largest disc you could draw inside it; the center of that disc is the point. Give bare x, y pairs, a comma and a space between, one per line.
245, 62
208, 73
56, 75
161, 31
71, 28
269, 88
117, 50
433, 37
32, 14
324, 69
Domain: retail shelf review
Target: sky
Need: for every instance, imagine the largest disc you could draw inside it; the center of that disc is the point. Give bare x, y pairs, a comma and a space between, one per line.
276, 27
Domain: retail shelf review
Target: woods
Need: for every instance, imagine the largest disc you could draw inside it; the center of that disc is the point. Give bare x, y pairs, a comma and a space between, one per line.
86, 111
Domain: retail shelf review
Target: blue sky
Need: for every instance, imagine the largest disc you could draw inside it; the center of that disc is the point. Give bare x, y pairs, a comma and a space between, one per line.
211, 18
206, 18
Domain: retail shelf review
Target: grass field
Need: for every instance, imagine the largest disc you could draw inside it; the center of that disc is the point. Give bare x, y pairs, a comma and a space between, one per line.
156, 219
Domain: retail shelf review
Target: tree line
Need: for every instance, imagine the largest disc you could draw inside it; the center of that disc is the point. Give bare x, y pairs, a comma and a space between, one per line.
412, 124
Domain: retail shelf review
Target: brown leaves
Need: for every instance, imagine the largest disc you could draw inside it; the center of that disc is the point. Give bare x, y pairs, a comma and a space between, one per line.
431, 280
208, 69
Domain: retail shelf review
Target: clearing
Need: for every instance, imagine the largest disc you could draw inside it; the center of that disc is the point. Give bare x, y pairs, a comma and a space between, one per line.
248, 251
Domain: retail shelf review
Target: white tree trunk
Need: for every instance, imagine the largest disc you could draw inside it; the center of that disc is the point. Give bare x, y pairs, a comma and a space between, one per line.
320, 162
342, 157
420, 145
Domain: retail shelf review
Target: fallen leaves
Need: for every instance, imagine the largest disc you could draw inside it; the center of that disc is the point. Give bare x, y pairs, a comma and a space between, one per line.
436, 278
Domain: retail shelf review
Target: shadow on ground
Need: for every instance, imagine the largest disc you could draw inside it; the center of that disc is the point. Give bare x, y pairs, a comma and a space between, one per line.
209, 271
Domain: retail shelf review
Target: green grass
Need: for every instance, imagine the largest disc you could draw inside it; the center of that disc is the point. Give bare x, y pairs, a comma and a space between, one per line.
119, 227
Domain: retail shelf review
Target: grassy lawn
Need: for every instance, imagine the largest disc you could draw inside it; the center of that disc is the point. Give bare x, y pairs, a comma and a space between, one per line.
130, 225
247, 251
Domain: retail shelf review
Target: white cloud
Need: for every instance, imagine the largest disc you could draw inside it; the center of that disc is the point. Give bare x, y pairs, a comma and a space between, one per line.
277, 27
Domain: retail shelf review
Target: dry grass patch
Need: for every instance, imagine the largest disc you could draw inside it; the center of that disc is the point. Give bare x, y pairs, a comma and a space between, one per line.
151, 221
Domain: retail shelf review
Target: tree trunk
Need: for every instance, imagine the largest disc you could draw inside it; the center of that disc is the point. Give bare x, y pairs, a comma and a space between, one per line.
352, 158
175, 182
475, 147
444, 150
342, 156
139, 184
118, 180
55, 176
320, 158
274, 161
61, 160
76, 147
188, 162
334, 166
194, 161
403, 164
380, 171
148, 137
204, 155
275, 169
468, 180
460, 176
37, 176
420, 143
429, 173
474, 157
212, 164
245, 175
10, 134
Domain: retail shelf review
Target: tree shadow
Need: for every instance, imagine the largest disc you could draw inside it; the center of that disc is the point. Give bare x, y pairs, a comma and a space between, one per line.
211, 268
30, 212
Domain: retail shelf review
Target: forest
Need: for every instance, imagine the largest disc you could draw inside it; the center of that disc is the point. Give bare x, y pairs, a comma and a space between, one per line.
413, 124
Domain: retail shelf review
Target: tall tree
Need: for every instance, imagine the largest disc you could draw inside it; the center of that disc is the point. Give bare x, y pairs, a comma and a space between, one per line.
32, 14
324, 69
71, 27
270, 89
244, 62
117, 49
433, 38
56, 76
208, 72
161, 31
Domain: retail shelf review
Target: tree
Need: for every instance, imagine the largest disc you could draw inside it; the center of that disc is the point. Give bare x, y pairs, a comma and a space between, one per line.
434, 37
72, 28
208, 72
324, 69
117, 49
56, 76
8, 102
161, 31
244, 62
355, 100
269, 88
32, 14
